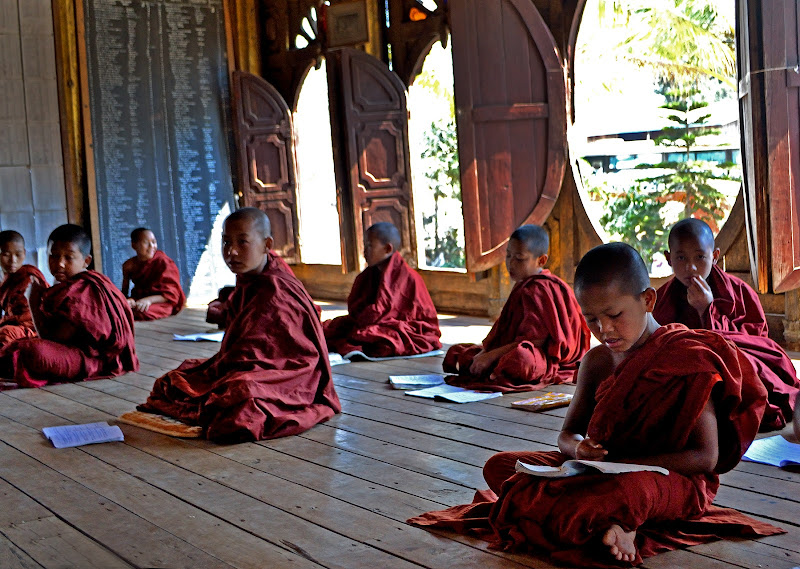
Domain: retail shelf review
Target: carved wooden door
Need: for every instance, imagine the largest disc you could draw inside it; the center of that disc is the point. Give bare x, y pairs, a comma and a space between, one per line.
266, 165
770, 110
511, 118
375, 176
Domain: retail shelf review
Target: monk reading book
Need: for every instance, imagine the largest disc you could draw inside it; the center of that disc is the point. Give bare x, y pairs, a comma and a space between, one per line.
390, 312
685, 400
84, 323
540, 335
157, 291
15, 314
271, 377
703, 296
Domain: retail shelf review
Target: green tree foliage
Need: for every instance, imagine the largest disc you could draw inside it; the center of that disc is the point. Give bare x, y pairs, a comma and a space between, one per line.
636, 214
441, 147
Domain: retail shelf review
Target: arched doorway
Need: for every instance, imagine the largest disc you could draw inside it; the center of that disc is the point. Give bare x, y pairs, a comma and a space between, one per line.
655, 135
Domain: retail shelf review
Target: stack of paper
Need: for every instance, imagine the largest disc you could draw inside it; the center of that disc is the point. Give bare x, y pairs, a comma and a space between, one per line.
77, 435
416, 381
454, 394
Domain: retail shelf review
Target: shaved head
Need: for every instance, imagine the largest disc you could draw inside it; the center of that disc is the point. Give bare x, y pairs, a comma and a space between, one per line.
138, 234
11, 236
534, 238
386, 233
258, 219
71, 233
694, 229
613, 263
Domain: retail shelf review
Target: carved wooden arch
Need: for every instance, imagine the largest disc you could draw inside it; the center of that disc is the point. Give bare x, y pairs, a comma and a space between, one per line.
265, 151
729, 231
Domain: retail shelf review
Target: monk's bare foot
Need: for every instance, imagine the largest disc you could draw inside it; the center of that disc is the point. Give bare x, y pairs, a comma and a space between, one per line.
620, 543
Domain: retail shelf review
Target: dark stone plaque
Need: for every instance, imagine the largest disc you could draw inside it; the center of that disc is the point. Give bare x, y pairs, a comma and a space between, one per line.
159, 99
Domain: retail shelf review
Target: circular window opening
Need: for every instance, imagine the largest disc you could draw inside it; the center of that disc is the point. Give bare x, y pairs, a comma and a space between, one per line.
656, 131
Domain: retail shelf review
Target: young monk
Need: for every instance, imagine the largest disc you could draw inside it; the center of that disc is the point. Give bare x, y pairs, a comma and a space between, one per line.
685, 400
15, 314
540, 335
271, 377
703, 296
84, 323
157, 291
390, 312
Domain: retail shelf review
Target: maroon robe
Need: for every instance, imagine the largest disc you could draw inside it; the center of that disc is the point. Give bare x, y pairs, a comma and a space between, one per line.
736, 313
271, 377
101, 345
158, 276
543, 318
650, 405
390, 313
15, 314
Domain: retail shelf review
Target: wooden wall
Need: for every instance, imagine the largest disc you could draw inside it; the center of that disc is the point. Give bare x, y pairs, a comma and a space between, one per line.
34, 199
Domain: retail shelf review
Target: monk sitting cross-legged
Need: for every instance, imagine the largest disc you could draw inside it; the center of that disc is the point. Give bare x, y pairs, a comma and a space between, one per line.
15, 314
84, 324
390, 312
684, 400
157, 291
271, 377
540, 335
703, 296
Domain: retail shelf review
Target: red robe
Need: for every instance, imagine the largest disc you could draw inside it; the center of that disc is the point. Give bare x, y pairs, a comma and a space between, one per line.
217, 312
101, 345
15, 314
158, 276
649, 405
540, 311
271, 377
390, 313
736, 313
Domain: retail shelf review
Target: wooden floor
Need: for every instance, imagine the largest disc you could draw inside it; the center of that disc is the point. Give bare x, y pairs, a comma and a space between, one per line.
336, 496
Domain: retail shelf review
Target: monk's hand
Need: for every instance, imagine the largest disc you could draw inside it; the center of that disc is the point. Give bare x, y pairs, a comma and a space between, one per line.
131, 303
480, 363
589, 449
699, 295
142, 305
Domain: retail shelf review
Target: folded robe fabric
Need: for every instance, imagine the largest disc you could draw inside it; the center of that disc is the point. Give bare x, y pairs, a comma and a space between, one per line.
271, 377
16, 320
649, 405
101, 343
543, 318
158, 276
390, 313
736, 313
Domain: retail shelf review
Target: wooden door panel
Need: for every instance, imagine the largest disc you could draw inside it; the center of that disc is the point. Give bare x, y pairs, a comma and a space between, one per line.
511, 119
266, 166
375, 127
768, 34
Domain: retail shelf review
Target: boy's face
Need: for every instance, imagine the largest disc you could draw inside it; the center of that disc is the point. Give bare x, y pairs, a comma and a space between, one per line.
690, 258
617, 319
66, 260
146, 246
521, 263
12, 255
375, 251
243, 248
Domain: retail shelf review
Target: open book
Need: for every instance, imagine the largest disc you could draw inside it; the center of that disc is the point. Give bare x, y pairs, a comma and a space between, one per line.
445, 392
575, 466
774, 450
76, 435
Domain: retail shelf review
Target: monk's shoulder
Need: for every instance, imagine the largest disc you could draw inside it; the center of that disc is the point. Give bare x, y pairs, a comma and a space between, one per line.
129, 265
598, 364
